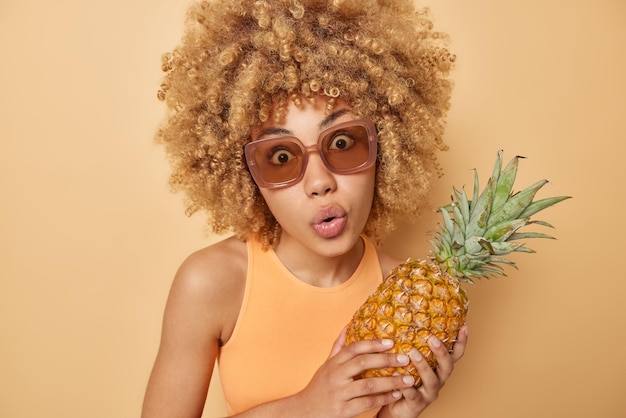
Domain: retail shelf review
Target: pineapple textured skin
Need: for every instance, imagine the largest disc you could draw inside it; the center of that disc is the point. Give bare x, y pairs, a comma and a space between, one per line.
416, 300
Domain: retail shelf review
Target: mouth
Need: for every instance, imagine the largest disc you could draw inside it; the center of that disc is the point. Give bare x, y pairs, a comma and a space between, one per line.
328, 214
330, 222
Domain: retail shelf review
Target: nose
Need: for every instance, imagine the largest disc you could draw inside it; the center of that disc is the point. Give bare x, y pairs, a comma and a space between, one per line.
318, 180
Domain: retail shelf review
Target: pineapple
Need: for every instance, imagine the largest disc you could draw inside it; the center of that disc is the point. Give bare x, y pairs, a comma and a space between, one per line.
420, 298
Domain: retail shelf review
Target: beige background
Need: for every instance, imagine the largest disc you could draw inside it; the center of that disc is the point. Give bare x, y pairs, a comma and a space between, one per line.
90, 236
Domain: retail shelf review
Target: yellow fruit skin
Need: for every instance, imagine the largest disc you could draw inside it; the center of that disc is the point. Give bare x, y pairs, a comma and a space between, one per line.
416, 300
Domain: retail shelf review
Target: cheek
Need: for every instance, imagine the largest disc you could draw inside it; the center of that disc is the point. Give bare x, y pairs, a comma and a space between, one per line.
368, 181
278, 200
370, 187
361, 186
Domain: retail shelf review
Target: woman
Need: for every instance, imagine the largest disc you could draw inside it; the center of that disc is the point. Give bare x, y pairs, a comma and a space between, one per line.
306, 128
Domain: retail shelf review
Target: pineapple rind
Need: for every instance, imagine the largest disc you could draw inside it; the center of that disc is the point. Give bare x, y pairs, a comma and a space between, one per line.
416, 300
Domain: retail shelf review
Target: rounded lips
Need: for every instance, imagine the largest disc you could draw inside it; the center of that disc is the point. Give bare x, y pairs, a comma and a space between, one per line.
329, 221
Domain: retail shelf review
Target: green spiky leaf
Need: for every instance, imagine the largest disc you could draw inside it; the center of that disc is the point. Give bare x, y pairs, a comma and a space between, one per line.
477, 234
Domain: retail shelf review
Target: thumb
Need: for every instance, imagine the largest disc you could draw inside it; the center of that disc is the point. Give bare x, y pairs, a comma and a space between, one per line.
339, 343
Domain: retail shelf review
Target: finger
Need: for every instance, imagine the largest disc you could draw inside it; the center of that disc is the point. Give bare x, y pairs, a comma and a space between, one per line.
416, 401
357, 348
372, 361
429, 389
445, 365
461, 343
377, 385
365, 403
409, 393
339, 342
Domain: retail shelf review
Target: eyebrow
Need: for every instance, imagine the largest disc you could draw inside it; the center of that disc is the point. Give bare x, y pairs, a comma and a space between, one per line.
332, 117
323, 124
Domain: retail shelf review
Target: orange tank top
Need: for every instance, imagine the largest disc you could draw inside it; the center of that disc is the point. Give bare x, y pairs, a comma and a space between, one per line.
286, 328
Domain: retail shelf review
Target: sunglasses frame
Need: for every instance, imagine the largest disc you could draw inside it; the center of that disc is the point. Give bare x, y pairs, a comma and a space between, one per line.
372, 138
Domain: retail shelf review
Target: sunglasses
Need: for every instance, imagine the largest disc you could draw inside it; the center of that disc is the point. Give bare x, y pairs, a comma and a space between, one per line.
346, 148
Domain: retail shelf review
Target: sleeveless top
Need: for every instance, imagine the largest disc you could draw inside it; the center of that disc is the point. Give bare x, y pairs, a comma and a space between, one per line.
286, 328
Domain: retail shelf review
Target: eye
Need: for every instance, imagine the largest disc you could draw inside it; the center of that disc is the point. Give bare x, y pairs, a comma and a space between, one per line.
280, 155
341, 141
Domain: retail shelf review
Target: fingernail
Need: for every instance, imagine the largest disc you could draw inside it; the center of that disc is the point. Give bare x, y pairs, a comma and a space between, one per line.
434, 342
396, 394
403, 359
387, 343
417, 356
409, 380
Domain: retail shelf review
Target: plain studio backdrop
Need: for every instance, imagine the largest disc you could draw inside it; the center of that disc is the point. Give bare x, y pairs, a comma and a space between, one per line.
90, 236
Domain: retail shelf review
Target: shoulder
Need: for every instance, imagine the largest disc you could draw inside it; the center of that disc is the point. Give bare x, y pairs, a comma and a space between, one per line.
210, 284
220, 265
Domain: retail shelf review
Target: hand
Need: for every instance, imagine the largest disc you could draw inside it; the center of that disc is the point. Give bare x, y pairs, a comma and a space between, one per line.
334, 391
415, 400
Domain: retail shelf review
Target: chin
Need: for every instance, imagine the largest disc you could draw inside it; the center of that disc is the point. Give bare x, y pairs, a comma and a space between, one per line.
339, 245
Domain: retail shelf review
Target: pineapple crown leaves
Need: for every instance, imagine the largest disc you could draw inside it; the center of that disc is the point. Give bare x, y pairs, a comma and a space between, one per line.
476, 234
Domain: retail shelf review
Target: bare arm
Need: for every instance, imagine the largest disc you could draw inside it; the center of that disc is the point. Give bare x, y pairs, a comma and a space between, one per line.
201, 310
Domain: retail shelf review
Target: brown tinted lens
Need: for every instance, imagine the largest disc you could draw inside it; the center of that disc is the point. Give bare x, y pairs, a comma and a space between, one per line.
278, 160
347, 147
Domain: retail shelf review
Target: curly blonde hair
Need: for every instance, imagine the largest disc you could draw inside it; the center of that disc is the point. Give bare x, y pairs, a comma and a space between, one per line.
239, 58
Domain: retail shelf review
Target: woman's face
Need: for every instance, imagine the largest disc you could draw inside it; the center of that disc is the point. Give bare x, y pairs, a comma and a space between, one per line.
324, 212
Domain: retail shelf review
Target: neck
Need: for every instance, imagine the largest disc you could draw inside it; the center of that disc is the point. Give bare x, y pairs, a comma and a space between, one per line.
317, 269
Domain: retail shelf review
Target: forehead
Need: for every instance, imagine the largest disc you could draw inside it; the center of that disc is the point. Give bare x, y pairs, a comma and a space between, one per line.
306, 117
